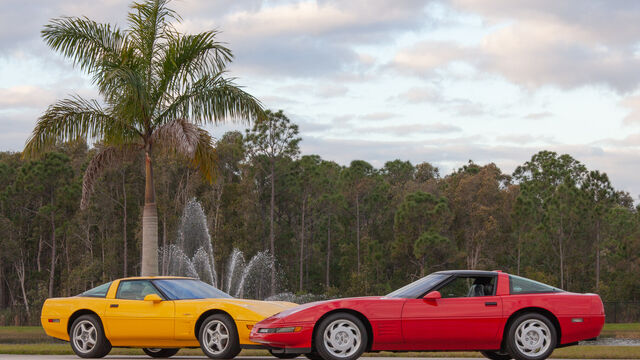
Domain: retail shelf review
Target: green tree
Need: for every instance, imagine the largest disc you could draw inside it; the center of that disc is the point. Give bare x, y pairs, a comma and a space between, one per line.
601, 198
549, 185
358, 180
271, 139
475, 194
421, 221
158, 88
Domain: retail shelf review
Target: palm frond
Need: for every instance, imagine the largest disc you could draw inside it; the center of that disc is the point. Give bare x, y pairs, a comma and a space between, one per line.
65, 120
178, 135
213, 99
106, 157
189, 57
205, 157
85, 41
125, 85
150, 22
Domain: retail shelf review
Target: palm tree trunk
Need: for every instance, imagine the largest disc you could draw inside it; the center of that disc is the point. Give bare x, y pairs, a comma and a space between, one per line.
149, 223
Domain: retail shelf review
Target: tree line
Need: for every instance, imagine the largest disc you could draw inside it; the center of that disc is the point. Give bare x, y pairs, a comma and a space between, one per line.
335, 230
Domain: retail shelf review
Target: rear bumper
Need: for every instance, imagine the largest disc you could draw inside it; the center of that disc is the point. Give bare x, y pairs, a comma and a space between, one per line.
57, 329
580, 327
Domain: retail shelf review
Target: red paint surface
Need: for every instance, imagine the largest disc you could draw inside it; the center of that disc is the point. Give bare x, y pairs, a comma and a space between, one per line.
466, 323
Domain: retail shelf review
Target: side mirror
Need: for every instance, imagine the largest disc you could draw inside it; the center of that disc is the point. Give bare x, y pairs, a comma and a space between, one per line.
433, 295
153, 297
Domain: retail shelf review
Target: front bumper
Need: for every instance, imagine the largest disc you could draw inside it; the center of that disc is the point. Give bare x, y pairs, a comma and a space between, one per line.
290, 350
298, 342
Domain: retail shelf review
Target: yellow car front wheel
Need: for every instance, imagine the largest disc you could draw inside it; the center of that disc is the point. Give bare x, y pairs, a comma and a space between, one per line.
218, 337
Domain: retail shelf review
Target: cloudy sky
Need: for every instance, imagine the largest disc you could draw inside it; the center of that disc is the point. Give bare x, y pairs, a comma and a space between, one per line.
439, 81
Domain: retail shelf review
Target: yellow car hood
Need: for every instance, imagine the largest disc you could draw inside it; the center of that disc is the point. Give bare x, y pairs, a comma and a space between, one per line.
262, 309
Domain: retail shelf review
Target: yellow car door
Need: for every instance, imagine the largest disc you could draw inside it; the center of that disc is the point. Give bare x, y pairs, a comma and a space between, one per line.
130, 320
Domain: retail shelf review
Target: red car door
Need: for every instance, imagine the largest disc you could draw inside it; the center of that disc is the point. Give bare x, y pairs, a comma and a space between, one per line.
460, 320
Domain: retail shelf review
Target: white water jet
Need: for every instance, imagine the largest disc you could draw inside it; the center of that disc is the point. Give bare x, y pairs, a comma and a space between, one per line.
192, 256
235, 261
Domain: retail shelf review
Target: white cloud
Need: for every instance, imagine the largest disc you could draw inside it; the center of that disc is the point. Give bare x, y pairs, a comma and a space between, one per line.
538, 115
425, 57
632, 104
378, 116
25, 96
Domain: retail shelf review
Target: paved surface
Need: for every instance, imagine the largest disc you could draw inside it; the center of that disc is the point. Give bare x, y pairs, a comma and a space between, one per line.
136, 357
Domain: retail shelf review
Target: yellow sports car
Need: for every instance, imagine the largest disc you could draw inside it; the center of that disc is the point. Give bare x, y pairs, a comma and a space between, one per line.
159, 314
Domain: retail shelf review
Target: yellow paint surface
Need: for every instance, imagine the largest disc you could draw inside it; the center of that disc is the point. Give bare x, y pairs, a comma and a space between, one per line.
140, 323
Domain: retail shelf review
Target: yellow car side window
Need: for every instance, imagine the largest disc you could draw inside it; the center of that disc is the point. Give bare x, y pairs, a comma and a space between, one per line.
135, 290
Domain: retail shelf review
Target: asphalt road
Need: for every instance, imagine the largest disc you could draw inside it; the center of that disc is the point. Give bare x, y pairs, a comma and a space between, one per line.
135, 357
123, 357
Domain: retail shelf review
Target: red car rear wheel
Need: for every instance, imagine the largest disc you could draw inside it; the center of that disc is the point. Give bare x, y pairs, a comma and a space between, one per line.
531, 336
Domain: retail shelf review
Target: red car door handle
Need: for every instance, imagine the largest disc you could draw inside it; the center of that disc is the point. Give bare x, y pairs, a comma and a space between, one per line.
491, 303
113, 305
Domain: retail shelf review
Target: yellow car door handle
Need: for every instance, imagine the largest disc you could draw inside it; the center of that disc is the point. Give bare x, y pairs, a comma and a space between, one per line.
113, 305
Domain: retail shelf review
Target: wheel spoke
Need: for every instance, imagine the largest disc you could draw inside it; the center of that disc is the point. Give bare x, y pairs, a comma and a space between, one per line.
216, 337
532, 337
342, 338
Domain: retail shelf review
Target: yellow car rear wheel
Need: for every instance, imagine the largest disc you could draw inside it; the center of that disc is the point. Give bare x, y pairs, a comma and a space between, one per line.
87, 337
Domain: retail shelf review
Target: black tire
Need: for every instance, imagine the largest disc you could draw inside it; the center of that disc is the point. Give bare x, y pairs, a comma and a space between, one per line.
221, 347
347, 335
160, 353
87, 337
313, 356
536, 329
283, 355
496, 355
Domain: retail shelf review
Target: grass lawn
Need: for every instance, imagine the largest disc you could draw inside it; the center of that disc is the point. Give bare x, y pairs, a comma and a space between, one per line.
23, 335
621, 331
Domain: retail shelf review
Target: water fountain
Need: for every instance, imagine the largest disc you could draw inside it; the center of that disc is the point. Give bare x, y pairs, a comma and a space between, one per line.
192, 255
248, 277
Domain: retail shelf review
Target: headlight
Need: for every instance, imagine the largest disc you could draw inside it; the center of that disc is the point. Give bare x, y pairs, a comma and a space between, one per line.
289, 329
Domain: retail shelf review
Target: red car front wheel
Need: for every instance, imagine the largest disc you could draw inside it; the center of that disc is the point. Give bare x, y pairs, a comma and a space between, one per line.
341, 336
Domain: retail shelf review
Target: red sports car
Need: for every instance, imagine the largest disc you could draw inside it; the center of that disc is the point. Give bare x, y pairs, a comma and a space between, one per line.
503, 316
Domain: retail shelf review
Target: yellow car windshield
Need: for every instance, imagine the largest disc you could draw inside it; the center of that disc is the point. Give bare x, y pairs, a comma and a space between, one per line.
184, 289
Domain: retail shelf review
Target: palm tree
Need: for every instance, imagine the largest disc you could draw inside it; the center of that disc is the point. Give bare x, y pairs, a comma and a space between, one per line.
158, 89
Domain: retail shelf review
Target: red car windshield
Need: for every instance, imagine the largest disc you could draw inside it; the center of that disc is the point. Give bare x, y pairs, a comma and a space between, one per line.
418, 287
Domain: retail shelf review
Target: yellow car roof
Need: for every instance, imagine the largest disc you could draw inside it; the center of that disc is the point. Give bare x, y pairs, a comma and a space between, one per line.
155, 277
